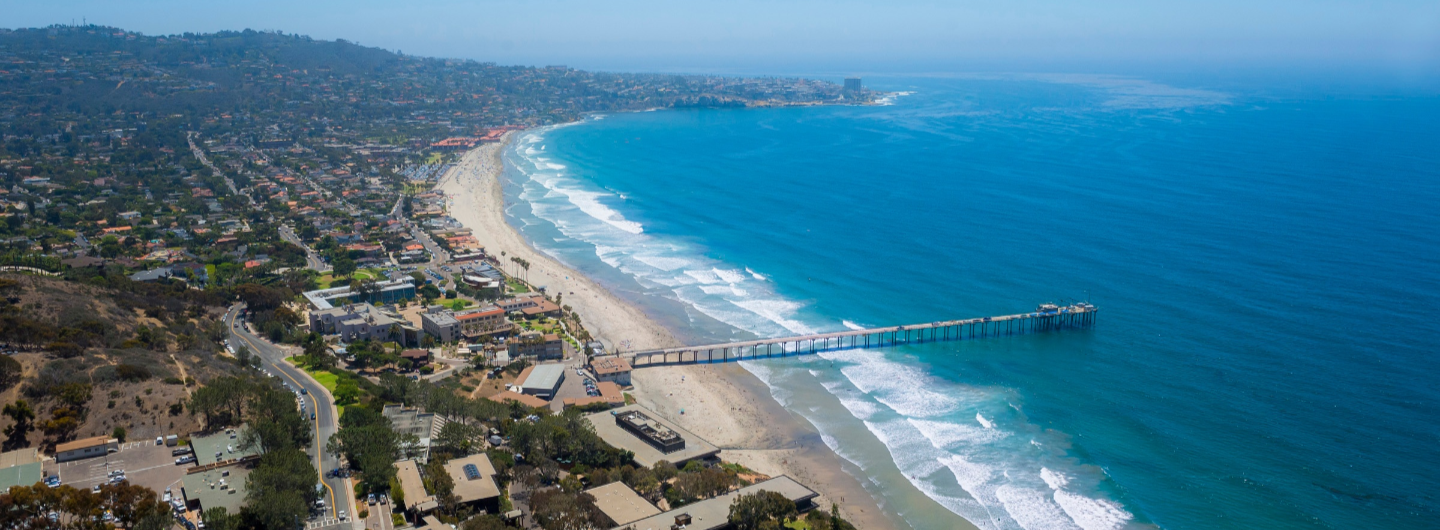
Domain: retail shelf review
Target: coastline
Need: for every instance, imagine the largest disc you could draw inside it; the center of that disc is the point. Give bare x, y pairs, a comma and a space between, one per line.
724, 404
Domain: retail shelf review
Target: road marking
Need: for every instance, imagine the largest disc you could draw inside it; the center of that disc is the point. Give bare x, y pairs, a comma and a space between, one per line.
319, 469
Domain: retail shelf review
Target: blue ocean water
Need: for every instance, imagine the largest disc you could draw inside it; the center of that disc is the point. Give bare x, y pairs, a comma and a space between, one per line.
1265, 266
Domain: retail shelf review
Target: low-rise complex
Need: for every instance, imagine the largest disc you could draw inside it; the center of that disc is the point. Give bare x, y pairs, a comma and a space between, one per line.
541, 380
86, 448
353, 322
689, 446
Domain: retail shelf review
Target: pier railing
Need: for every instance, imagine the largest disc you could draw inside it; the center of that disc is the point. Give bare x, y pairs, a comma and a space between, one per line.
1047, 317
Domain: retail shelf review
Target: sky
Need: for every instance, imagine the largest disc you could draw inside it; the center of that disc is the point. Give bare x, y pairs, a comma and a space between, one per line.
1397, 38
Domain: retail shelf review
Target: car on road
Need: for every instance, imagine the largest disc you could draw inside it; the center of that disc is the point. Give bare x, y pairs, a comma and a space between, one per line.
342, 515
371, 500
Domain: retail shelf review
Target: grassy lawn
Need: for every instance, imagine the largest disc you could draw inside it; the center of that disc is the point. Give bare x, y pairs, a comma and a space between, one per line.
326, 379
327, 281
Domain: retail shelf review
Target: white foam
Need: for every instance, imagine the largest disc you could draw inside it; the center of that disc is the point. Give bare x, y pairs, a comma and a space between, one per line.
729, 276
777, 311
704, 276
1093, 514
757, 275
903, 388
944, 435
984, 422
664, 263
1032, 509
852, 325
1053, 479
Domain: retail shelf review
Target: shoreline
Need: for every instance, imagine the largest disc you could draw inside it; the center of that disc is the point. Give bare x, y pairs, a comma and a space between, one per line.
725, 404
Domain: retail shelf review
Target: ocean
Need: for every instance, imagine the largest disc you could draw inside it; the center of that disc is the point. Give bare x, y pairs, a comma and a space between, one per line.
1265, 263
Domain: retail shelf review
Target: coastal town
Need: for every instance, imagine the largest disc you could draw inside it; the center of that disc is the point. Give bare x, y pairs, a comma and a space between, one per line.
255, 280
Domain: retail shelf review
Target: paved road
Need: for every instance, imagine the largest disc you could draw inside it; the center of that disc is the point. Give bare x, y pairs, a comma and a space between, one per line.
326, 422
312, 258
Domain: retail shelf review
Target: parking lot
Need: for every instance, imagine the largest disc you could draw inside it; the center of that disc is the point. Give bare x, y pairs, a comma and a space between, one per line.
144, 464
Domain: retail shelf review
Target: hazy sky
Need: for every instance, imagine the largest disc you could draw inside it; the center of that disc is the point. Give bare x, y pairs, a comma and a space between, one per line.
1388, 36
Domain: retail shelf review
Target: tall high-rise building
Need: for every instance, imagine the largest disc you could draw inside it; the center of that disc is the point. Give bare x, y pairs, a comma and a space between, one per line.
852, 84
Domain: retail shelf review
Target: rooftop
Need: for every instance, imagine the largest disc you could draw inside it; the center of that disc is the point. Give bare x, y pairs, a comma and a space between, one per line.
82, 443
226, 443
20, 467
544, 377
474, 478
610, 365
523, 399
408, 473
217, 487
621, 504
714, 513
645, 454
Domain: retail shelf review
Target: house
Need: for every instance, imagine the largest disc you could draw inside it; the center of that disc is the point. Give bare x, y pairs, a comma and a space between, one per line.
614, 369
152, 275
417, 358
86, 448
473, 479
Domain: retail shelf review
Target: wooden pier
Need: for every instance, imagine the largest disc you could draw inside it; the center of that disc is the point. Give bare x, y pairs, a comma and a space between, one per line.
1047, 317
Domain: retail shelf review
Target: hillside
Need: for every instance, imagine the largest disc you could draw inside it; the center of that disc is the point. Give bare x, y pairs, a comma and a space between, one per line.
94, 358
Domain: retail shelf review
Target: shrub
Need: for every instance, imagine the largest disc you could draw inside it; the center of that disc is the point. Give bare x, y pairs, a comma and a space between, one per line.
65, 350
130, 372
173, 381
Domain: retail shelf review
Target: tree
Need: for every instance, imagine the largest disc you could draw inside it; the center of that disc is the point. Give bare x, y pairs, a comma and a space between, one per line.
485, 522
346, 392
455, 439
342, 266
751, 512
10, 371
219, 519
367, 441
118, 434
557, 510
281, 490
23, 417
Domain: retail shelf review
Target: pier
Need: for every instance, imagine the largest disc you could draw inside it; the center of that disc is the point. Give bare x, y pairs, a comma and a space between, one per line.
1047, 317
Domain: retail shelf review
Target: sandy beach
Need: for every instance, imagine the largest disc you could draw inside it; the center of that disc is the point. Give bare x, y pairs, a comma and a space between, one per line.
722, 403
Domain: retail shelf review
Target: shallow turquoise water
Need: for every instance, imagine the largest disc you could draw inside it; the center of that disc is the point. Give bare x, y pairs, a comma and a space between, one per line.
1266, 268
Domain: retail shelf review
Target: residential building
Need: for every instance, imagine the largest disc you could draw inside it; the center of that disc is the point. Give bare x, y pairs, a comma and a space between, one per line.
476, 323
86, 448
610, 394
534, 344
473, 479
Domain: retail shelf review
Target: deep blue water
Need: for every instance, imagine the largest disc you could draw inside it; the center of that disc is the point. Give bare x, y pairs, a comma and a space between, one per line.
1267, 270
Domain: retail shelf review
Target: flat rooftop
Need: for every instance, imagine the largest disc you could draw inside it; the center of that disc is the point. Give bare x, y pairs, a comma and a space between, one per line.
221, 486
621, 504
226, 443
714, 513
479, 486
645, 454
544, 377
411, 485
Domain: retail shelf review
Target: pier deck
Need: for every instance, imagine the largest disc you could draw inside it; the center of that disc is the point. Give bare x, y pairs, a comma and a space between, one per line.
1047, 317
